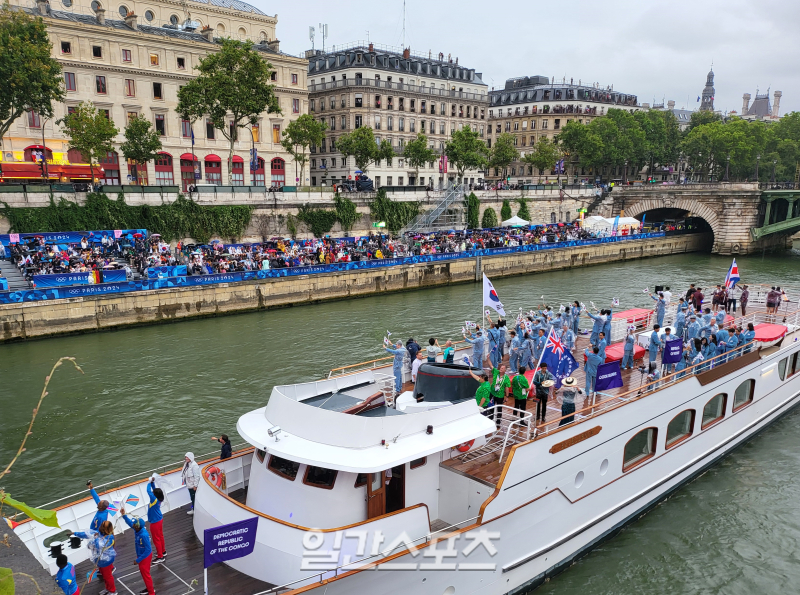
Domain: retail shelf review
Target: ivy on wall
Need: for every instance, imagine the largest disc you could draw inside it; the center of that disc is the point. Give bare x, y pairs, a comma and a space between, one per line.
473, 211
175, 221
396, 214
319, 221
346, 211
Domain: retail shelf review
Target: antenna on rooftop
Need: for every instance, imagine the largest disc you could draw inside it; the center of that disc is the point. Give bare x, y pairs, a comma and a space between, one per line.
404, 24
311, 34
323, 30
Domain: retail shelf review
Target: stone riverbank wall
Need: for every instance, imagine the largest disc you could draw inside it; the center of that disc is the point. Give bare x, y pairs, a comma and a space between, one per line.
39, 319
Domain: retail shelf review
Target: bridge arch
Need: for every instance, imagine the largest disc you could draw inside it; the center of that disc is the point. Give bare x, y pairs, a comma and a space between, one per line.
697, 209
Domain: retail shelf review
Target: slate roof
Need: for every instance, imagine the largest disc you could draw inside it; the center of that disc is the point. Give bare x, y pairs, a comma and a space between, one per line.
760, 107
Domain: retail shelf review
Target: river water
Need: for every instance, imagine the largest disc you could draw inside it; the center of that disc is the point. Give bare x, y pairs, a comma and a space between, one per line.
150, 394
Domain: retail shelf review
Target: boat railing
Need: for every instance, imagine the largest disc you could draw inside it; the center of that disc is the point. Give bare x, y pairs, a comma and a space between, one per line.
136, 477
790, 320
370, 561
380, 362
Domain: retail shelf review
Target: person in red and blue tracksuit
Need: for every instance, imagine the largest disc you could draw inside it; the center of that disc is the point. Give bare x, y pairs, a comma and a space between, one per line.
102, 513
65, 578
156, 520
144, 552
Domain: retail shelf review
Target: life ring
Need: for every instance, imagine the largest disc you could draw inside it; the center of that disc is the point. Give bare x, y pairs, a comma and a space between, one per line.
465, 446
216, 476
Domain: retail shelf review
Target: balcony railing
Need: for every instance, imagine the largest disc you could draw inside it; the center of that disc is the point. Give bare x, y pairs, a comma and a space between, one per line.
390, 85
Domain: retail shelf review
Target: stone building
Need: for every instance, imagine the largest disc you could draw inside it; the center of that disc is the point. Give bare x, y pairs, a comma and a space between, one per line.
707, 97
534, 107
130, 58
397, 94
761, 108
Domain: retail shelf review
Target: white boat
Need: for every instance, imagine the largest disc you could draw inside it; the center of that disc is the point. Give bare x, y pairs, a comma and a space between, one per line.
356, 492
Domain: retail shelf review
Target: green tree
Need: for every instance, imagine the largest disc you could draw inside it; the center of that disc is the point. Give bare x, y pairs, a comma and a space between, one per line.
465, 150
489, 219
346, 211
232, 90
142, 143
699, 118
319, 221
473, 211
90, 132
361, 145
396, 214
523, 212
505, 211
543, 157
30, 79
417, 153
299, 135
503, 153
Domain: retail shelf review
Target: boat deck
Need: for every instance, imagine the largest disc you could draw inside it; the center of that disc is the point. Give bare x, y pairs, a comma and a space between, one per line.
182, 573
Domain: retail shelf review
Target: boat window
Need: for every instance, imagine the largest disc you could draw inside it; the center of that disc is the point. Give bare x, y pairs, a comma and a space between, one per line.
418, 462
714, 410
282, 467
639, 448
782, 367
794, 363
361, 480
680, 427
320, 477
376, 480
744, 394
260, 454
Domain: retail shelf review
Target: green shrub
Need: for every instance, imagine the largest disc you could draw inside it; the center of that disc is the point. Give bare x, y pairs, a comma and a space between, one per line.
473, 211
489, 219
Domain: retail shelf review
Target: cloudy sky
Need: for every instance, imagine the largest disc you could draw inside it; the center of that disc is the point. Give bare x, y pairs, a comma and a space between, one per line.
657, 51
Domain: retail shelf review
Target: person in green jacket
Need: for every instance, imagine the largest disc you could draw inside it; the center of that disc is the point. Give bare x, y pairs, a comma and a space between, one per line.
520, 387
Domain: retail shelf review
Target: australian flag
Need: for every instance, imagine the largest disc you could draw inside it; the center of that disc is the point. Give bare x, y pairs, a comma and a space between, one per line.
559, 360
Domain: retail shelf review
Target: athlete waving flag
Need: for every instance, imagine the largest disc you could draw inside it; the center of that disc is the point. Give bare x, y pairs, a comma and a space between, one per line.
490, 297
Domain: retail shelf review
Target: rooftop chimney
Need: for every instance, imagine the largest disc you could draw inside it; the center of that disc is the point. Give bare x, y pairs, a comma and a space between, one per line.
101, 15
208, 33
130, 20
371, 47
745, 103
671, 104
407, 53
274, 45
776, 105
42, 6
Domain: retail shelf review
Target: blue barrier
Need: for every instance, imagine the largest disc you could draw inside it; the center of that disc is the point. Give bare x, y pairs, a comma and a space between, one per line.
68, 237
88, 278
150, 284
3, 284
166, 271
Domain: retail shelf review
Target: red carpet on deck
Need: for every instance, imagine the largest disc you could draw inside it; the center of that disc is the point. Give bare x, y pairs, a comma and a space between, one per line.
634, 315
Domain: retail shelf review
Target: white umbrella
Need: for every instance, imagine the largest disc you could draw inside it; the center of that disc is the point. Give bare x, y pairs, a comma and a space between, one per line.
515, 222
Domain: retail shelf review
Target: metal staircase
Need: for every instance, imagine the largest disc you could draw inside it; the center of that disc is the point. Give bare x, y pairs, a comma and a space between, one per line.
443, 215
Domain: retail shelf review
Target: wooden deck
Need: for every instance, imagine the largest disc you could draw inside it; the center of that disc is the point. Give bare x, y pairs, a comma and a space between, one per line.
182, 573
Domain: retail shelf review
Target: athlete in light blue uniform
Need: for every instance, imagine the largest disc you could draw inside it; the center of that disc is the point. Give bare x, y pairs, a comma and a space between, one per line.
599, 323
693, 330
397, 365
514, 353
576, 315
749, 335
607, 325
655, 343
478, 344
495, 346
592, 361
661, 306
601, 345
627, 354
680, 324
567, 337
526, 351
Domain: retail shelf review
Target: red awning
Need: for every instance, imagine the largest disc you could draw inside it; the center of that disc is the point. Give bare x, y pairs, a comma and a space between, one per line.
23, 170
189, 157
237, 159
212, 158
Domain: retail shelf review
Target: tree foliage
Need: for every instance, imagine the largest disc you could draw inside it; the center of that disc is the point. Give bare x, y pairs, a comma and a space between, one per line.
30, 78
503, 153
543, 157
523, 212
363, 147
232, 90
489, 219
505, 211
395, 214
299, 135
473, 211
465, 150
142, 143
319, 221
181, 219
346, 211
90, 132
417, 153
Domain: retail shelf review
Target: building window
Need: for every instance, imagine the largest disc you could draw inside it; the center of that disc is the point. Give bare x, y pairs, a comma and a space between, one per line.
282, 467
100, 84
295, 106
278, 171
137, 171
237, 173
214, 172
319, 477
33, 120
401, 124
161, 125
126, 55
418, 462
273, 76
157, 91
97, 51
209, 130
294, 79
69, 81
153, 59
111, 169
163, 166
106, 113
680, 427
66, 47
389, 123
344, 123
359, 120
359, 100
130, 88
186, 129
181, 63
276, 133
639, 448
714, 410
744, 394
132, 115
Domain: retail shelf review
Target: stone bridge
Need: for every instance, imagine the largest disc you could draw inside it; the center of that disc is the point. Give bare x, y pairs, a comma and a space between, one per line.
735, 212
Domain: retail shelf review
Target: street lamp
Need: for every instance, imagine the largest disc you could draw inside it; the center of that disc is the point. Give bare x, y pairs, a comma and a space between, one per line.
758, 159
625, 174
727, 167
774, 165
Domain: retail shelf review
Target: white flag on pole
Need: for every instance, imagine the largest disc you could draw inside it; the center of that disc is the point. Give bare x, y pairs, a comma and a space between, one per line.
490, 297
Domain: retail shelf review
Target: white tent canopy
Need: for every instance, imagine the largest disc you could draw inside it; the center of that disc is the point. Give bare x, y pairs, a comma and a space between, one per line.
597, 223
515, 222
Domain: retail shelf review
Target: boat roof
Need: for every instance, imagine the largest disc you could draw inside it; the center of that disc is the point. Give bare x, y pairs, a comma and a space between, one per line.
315, 430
